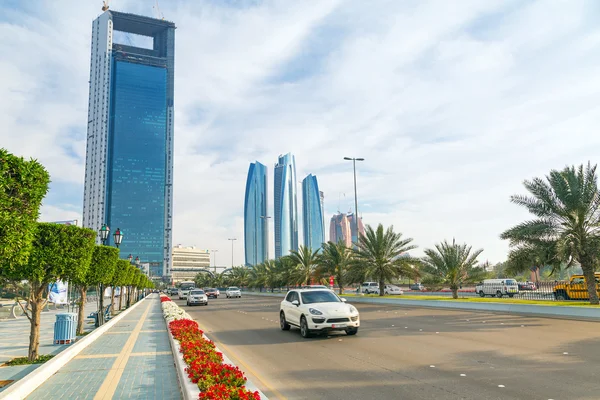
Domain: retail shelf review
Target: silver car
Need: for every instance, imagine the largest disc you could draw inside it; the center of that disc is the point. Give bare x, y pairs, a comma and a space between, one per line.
233, 292
197, 296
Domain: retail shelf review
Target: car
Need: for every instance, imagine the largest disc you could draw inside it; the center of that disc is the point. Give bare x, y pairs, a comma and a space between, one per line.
315, 287
369, 287
317, 311
417, 286
211, 293
526, 285
233, 292
197, 296
183, 292
391, 290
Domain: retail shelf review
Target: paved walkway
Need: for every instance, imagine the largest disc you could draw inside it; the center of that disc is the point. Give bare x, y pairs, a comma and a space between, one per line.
132, 360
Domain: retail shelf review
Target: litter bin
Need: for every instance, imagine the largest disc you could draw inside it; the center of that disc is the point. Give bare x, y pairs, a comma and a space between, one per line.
65, 328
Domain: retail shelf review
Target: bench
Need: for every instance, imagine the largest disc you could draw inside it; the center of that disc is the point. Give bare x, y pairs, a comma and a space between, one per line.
106, 312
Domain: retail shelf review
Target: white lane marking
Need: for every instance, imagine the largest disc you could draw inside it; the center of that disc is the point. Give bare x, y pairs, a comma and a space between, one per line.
420, 330
392, 325
437, 332
406, 327
501, 386
432, 366
463, 374
565, 353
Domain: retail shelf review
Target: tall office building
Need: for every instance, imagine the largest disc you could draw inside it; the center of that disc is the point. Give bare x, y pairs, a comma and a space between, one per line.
129, 155
256, 223
312, 213
286, 206
342, 227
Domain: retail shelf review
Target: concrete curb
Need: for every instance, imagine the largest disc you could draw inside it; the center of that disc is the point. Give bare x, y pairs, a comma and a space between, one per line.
529, 309
188, 390
25, 386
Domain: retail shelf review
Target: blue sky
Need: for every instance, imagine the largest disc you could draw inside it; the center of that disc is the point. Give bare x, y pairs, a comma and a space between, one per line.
452, 104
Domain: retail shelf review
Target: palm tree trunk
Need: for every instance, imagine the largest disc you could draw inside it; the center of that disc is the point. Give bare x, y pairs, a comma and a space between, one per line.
454, 292
590, 278
381, 287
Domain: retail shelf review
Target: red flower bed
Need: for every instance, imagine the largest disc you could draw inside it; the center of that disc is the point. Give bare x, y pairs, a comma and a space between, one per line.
205, 365
164, 298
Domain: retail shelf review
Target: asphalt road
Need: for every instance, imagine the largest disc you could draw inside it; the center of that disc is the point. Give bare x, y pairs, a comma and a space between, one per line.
409, 353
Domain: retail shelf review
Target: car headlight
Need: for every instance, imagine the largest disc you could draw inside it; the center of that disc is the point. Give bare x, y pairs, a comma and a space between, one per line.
314, 311
353, 310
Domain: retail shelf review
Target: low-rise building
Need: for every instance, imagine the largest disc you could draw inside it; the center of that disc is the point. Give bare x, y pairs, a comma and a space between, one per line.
188, 262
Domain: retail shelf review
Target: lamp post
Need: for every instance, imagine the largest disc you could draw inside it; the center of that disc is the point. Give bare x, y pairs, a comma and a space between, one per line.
232, 239
117, 237
104, 232
354, 160
215, 260
266, 218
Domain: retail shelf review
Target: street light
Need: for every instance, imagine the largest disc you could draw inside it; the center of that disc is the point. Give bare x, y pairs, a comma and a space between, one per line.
232, 251
214, 260
118, 237
104, 231
354, 160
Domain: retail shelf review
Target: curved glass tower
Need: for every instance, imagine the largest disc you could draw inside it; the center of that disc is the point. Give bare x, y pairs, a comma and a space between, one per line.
286, 206
312, 213
256, 224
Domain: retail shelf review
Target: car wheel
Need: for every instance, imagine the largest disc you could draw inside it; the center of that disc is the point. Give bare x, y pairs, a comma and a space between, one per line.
561, 295
481, 293
499, 294
511, 295
304, 331
351, 331
283, 323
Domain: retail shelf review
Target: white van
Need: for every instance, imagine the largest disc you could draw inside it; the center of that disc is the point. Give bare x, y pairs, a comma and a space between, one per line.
497, 288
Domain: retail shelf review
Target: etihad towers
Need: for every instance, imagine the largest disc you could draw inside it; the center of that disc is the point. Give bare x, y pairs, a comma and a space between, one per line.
313, 224
256, 223
129, 154
285, 206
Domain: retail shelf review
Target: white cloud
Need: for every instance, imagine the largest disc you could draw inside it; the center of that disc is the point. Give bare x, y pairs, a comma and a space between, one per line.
451, 104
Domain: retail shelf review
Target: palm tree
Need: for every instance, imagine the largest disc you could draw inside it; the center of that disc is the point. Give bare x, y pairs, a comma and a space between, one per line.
567, 209
452, 264
379, 254
305, 261
334, 260
523, 258
240, 276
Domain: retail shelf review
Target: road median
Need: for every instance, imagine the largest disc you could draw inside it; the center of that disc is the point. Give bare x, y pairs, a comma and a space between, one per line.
510, 306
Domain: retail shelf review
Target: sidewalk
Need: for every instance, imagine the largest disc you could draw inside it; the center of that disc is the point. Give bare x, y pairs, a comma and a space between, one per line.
132, 360
14, 341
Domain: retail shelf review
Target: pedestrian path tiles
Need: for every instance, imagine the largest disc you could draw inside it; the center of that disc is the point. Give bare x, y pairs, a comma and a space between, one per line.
132, 360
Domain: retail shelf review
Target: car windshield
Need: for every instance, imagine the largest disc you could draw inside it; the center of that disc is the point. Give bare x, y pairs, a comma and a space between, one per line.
233, 288
197, 292
511, 282
319, 296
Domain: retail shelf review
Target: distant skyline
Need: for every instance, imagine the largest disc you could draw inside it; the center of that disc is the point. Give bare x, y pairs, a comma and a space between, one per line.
452, 105
256, 215
312, 213
285, 205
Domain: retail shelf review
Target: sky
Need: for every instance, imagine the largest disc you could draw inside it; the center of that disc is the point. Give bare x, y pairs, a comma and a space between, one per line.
453, 104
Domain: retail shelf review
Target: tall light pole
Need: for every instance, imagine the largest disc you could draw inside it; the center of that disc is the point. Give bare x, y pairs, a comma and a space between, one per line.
232, 239
215, 260
354, 160
265, 219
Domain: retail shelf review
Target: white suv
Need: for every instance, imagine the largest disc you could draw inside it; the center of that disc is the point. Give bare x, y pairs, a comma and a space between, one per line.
317, 311
233, 292
369, 287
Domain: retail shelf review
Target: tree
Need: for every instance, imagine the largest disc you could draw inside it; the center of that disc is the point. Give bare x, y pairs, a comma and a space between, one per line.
118, 280
334, 260
524, 258
566, 206
59, 252
452, 264
23, 185
380, 254
305, 261
102, 269
240, 276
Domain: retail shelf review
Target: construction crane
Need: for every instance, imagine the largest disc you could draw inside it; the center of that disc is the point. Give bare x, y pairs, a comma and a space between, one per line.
105, 5
158, 12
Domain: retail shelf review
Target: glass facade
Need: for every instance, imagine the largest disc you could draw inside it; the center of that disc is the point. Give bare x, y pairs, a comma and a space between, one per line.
312, 213
256, 223
137, 160
286, 206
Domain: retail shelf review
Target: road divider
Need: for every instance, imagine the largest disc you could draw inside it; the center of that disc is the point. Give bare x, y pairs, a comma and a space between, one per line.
580, 312
203, 370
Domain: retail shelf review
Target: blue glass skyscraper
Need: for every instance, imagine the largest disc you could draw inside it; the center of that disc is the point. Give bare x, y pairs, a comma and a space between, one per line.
256, 223
312, 213
286, 206
129, 156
